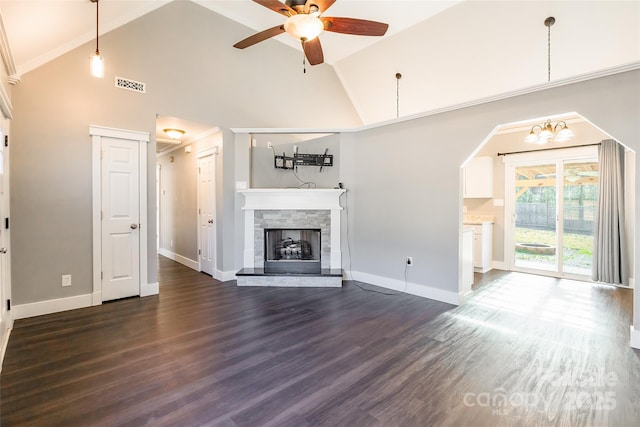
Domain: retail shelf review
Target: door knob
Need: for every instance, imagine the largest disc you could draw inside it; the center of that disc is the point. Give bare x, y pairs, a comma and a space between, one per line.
3, 251
134, 226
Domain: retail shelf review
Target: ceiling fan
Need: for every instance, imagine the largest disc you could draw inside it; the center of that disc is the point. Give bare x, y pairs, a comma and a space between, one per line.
304, 22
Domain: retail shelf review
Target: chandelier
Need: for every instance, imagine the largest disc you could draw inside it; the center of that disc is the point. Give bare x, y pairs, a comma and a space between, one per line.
541, 134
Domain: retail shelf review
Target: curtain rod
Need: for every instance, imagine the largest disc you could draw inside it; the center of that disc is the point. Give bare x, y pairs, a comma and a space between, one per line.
547, 149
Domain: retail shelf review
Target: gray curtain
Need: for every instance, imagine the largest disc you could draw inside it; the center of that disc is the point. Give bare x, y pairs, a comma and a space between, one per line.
610, 262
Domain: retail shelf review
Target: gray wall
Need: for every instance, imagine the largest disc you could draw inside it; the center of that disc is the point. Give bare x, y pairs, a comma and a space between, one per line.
264, 175
403, 180
207, 83
408, 193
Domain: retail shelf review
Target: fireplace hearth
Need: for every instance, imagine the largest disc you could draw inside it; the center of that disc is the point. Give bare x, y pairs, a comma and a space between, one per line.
292, 251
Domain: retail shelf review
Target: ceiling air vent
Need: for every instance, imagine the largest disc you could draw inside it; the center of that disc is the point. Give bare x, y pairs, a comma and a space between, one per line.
132, 85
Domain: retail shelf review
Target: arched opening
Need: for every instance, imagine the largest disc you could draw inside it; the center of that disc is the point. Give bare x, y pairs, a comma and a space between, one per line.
540, 208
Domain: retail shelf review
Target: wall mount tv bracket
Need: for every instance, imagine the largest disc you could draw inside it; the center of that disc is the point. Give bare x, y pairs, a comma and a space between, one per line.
290, 162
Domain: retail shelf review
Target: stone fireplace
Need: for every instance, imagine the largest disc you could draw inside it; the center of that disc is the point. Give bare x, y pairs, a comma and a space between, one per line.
291, 209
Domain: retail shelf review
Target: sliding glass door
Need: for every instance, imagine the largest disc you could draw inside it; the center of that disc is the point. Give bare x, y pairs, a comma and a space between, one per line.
580, 191
551, 203
536, 231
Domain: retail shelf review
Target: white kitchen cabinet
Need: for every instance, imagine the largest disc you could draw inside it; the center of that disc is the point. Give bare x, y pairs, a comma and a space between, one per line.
482, 247
478, 178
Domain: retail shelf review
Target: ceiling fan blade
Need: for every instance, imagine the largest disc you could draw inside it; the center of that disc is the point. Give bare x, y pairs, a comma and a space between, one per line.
313, 51
277, 6
258, 37
323, 5
359, 27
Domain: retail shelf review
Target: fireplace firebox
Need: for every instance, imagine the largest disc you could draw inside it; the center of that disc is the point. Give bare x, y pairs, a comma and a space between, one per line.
292, 251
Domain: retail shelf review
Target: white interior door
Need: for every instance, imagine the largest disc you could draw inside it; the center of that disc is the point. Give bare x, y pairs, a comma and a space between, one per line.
120, 219
206, 213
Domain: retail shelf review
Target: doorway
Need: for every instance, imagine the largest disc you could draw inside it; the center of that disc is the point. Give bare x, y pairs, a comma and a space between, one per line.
576, 162
187, 177
551, 200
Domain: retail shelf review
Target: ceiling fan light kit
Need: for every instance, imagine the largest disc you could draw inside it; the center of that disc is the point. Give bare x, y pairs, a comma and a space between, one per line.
305, 23
303, 27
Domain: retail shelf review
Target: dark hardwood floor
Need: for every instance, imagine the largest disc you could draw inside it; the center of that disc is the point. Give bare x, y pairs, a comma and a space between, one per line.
524, 350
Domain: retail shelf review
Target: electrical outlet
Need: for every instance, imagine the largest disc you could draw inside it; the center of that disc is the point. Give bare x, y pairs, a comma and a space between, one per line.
66, 280
269, 145
410, 261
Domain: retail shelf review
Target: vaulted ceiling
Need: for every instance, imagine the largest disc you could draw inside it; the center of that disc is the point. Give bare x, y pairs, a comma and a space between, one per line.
448, 52
40, 30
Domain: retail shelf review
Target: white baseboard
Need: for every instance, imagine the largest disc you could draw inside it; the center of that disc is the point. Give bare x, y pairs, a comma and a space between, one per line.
96, 298
632, 283
409, 288
463, 296
22, 311
635, 337
225, 276
149, 289
179, 258
500, 265
39, 308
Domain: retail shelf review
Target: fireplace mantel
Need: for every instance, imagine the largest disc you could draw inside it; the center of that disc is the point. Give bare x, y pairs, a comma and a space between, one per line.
292, 198
274, 199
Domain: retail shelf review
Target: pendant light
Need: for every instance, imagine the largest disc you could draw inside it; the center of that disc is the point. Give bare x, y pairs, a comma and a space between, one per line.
559, 132
97, 62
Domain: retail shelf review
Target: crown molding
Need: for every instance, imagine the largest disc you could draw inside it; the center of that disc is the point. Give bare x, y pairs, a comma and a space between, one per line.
5, 102
7, 56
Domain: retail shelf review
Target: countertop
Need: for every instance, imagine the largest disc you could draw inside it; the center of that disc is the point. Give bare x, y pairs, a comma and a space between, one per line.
478, 219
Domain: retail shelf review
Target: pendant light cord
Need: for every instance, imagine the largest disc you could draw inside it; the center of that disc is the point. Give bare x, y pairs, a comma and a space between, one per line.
548, 23
304, 56
97, 29
398, 77
549, 53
